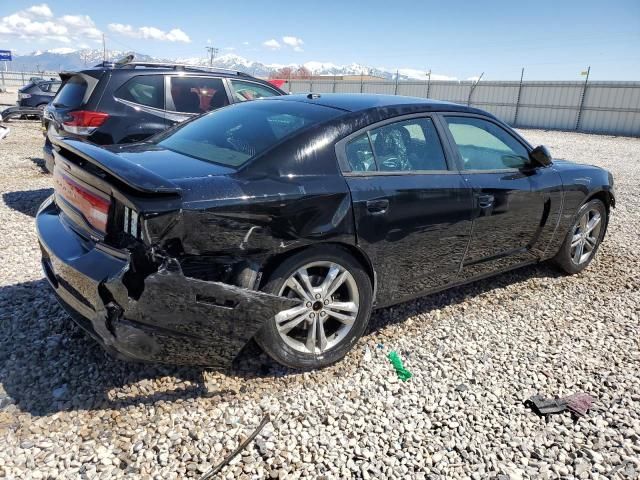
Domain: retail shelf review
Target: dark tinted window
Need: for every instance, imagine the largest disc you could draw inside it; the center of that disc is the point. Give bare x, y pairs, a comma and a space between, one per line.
233, 135
197, 95
485, 146
408, 145
146, 90
360, 154
72, 92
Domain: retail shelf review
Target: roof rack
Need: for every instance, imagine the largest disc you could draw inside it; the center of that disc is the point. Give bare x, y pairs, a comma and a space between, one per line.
174, 66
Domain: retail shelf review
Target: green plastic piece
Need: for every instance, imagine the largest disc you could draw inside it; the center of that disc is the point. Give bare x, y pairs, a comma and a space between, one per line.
403, 373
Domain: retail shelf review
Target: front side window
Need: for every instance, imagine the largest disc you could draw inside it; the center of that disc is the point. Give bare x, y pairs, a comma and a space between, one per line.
147, 90
243, 91
234, 135
485, 146
197, 94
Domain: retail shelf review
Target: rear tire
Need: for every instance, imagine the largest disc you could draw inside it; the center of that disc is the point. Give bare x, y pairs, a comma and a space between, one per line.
333, 314
583, 238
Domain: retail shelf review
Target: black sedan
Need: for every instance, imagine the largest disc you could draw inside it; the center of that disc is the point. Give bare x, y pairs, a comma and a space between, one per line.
37, 94
289, 219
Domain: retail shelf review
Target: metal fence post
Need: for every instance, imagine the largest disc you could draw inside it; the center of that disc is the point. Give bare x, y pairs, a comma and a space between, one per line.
22, 77
428, 82
2, 75
395, 91
515, 116
473, 87
333, 89
584, 91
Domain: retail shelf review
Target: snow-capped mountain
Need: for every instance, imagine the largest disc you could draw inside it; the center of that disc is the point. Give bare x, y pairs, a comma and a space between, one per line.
72, 59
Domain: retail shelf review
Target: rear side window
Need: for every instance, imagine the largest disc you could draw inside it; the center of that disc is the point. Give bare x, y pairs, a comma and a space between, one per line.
54, 87
360, 154
409, 145
243, 91
147, 90
197, 94
72, 92
234, 135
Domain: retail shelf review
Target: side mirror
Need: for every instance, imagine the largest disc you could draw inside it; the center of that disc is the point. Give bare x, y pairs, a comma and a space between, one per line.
541, 156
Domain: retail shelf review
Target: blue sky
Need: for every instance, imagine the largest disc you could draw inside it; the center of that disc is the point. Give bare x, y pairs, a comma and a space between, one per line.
551, 39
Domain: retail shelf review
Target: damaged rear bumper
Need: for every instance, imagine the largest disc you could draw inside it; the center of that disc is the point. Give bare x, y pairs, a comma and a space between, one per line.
175, 319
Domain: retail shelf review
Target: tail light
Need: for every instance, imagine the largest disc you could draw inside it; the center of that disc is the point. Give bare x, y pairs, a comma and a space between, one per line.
94, 207
84, 122
22, 96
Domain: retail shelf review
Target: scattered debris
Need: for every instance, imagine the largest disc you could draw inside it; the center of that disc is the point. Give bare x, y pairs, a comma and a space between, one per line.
462, 387
233, 454
578, 404
4, 131
403, 373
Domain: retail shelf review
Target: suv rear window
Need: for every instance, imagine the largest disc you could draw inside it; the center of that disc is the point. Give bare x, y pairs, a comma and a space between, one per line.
145, 90
72, 92
233, 135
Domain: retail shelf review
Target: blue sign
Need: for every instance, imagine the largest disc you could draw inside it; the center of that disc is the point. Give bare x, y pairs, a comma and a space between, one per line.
5, 55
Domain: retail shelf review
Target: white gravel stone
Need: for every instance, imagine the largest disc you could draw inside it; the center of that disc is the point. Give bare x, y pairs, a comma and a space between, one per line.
68, 410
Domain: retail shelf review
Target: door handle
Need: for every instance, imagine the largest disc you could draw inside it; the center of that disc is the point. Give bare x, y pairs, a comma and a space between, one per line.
377, 207
485, 201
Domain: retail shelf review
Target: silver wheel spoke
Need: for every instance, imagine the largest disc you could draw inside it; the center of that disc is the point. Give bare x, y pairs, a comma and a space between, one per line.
286, 327
306, 283
343, 306
294, 285
322, 338
336, 283
341, 317
593, 223
334, 271
578, 254
311, 336
287, 315
583, 222
575, 240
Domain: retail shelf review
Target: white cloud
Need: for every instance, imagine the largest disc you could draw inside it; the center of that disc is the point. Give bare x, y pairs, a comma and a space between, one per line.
41, 10
245, 43
272, 43
38, 23
150, 33
294, 42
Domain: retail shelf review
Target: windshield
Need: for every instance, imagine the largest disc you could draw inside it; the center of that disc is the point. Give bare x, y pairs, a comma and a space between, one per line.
233, 135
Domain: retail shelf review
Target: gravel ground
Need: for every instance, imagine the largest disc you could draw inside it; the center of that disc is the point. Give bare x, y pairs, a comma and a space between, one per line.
67, 410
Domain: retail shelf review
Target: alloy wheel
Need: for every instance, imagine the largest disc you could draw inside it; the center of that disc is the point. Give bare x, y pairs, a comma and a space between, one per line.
585, 236
329, 304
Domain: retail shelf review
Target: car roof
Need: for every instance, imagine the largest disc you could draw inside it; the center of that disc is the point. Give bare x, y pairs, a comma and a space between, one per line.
355, 102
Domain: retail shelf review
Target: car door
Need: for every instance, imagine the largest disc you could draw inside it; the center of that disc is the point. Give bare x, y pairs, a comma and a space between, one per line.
510, 213
137, 111
412, 209
188, 96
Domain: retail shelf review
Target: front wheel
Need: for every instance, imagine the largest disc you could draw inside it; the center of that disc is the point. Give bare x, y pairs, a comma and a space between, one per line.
335, 300
584, 238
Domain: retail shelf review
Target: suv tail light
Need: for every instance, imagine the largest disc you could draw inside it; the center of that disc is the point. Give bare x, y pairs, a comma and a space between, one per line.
22, 96
83, 122
93, 207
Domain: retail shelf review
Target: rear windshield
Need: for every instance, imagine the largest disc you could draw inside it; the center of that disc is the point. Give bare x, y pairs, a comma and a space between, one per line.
233, 135
71, 93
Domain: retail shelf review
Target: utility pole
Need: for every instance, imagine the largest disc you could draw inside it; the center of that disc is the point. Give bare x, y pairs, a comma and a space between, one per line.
515, 116
104, 49
213, 51
428, 82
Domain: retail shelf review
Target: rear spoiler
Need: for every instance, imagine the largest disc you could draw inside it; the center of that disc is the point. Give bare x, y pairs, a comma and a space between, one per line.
129, 173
